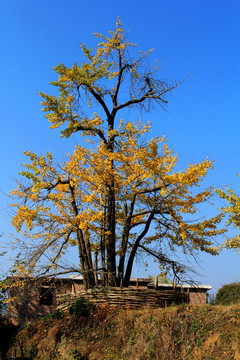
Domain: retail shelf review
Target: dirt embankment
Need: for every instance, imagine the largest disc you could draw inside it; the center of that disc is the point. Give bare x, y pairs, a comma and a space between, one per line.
7, 334
184, 332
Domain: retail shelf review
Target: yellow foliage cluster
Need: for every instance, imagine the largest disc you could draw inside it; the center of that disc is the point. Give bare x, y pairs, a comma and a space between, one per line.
231, 211
141, 171
121, 194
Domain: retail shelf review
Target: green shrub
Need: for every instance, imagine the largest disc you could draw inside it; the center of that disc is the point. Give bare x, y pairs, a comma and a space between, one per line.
57, 314
228, 294
82, 307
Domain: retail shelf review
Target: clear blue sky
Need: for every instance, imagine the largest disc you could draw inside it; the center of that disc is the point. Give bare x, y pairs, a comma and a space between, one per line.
197, 37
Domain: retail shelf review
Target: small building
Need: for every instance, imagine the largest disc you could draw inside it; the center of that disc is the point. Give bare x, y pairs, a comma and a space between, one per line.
197, 293
38, 298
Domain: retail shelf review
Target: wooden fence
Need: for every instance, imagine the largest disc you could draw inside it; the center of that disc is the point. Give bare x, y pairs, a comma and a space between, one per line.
132, 298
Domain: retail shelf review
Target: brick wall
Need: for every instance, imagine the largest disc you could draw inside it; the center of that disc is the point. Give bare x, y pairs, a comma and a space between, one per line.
198, 298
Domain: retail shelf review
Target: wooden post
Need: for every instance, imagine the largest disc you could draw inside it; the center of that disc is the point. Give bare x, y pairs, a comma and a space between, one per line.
175, 283
73, 287
156, 283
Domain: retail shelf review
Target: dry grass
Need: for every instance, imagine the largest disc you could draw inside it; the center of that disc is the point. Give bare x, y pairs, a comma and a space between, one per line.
175, 333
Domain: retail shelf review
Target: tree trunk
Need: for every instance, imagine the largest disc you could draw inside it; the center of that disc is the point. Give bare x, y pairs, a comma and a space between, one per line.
103, 247
111, 216
134, 249
111, 243
88, 274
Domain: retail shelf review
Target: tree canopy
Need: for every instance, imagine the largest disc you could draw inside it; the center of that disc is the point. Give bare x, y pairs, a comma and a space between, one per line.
119, 195
231, 211
228, 294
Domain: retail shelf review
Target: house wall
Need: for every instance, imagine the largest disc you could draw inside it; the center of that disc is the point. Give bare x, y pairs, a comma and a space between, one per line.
26, 306
76, 286
198, 298
30, 301
196, 295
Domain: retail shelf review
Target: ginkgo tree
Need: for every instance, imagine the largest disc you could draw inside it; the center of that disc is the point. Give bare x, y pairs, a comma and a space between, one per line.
231, 211
120, 195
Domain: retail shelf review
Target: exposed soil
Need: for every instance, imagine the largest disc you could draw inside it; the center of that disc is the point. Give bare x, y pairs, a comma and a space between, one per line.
176, 333
7, 334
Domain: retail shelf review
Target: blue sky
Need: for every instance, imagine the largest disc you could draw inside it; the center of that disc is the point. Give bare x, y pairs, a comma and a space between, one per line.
189, 37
